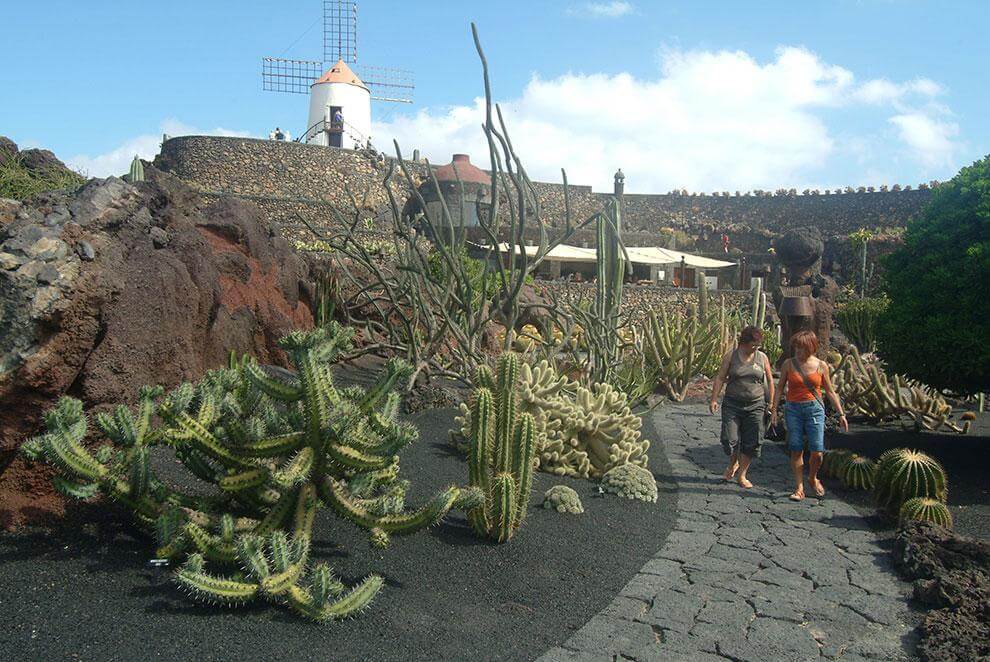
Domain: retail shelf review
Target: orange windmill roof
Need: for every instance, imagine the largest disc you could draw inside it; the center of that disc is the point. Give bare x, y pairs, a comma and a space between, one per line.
340, 73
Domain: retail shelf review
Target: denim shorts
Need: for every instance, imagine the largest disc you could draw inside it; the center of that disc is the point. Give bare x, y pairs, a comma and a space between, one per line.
805, 420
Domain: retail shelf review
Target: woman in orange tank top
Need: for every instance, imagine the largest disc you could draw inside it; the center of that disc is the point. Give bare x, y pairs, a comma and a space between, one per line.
805, 409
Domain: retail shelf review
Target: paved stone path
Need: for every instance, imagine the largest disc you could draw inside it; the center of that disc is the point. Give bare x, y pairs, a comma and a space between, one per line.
748, 574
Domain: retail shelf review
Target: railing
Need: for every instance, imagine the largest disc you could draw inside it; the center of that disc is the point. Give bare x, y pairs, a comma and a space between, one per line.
324, 126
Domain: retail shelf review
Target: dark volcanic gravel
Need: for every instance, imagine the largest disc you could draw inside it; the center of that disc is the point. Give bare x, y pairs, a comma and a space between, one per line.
83, 590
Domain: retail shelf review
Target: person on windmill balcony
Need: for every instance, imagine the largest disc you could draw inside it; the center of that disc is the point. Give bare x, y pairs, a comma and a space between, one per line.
803, 377
746, 373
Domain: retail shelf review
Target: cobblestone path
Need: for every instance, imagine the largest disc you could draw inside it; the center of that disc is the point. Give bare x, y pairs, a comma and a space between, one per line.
748, 574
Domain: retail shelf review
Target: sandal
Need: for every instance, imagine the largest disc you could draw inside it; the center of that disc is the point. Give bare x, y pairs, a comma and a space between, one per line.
819, 488
796, 497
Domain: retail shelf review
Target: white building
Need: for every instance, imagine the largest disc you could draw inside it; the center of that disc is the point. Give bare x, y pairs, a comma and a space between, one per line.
339, 110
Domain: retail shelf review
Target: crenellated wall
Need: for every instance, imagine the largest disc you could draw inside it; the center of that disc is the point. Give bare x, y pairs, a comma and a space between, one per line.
290, 179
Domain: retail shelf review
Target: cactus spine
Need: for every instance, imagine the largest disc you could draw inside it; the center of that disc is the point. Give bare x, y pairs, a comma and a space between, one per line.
502, 449
926, 510
274, 449
904, 474
858, 473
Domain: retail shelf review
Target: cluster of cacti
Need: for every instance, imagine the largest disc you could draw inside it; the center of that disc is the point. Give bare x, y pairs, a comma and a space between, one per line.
678, 348
859, 473
834, 462
563, 499
580, 432
866, 390
904, 474
631, 482
858, 320
273, 446
502, 442
925, 510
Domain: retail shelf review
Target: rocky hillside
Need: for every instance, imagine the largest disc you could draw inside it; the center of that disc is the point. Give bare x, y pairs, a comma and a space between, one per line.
118, 285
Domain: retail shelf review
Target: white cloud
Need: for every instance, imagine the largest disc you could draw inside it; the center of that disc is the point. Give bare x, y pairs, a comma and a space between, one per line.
710, 120
117, 161
931, 140
613, 9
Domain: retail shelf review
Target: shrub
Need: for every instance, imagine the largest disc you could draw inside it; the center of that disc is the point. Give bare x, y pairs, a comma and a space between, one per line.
19, 183
858, 319
936, 329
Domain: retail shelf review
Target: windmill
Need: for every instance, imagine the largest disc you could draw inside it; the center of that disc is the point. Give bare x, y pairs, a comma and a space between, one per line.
340, 91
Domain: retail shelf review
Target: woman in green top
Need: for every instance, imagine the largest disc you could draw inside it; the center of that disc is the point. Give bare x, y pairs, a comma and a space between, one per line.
747, 375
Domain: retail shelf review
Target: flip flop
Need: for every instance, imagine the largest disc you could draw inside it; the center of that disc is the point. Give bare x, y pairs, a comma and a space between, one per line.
796, 497
820, 490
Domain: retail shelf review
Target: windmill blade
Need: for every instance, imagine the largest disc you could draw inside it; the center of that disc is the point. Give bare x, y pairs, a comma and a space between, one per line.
339, 31
294, 76
388, 83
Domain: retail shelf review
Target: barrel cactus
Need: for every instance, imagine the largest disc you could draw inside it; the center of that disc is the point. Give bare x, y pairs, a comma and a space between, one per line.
834, 462
137, 170
926, 510
273, 447
858, 473
563, 499
502, 451
904, 474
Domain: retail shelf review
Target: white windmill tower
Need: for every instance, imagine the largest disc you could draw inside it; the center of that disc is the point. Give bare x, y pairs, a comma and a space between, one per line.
340, 97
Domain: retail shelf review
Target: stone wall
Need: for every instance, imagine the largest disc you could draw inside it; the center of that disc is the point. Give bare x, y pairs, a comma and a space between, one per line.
290, 179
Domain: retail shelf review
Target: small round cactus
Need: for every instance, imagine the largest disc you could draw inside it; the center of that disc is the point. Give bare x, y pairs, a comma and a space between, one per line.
630, 481
563, 499
926, 510
858, 473
904, 474
834, 461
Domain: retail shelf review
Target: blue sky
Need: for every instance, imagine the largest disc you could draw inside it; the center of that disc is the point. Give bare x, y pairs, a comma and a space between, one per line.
698, 95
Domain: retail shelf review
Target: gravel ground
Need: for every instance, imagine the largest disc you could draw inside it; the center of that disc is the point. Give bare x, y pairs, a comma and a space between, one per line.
83, 590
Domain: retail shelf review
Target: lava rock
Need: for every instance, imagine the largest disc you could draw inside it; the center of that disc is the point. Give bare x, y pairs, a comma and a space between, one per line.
159, 237
85, 251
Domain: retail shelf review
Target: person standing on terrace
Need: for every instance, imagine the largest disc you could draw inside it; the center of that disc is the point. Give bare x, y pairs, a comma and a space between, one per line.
803, 377
746, 373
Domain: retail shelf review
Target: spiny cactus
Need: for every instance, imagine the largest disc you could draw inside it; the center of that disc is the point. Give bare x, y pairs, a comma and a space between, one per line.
274, 446
563, 499
926, 510
137, 170
858, 473
502, 449
904, 474
866, 390
678, 348
835, 461
632, 482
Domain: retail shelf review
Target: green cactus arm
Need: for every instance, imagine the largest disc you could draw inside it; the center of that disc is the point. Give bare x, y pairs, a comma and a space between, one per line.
140, 471
251, 553
244, 480
204, 440
197, 464
335, 495
72, 457
358, 599
482, 438
522, 469
345, 456
297, 469
395, 370
273, 388
209, 588
210, 546
73, 489
273, 446
504, 507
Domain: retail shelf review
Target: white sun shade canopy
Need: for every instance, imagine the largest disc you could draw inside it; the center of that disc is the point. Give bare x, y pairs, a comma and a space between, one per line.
637, 254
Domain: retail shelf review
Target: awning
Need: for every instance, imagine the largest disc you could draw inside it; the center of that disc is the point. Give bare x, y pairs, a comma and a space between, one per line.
637, 255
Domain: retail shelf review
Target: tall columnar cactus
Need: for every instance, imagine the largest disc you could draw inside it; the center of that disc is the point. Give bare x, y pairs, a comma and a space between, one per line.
926, 510
866, 390
137, 170
757, 304
702, 296
678, 348
858, 473
274, 447
502, 452
608, 293
904, 474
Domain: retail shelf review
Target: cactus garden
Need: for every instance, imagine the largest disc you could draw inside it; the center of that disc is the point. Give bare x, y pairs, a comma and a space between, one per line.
324, 397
